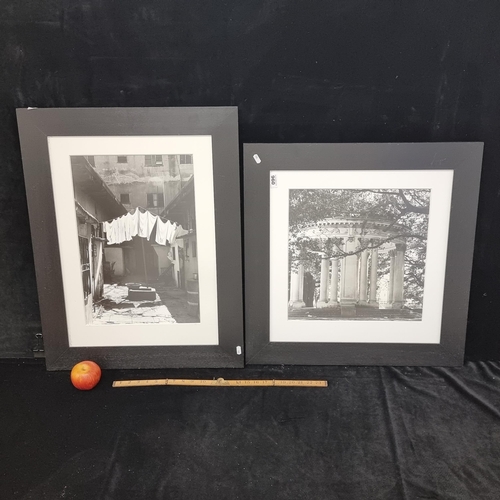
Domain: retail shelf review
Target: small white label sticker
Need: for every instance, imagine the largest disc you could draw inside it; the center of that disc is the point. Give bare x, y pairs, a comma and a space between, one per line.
274, 180
238, 350
257, 159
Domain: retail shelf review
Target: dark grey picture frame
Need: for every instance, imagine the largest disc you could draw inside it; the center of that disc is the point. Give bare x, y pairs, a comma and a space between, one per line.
221, 123
260, 159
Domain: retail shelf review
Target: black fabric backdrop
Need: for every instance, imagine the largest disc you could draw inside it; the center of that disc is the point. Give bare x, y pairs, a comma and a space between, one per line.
374, 433
299, 71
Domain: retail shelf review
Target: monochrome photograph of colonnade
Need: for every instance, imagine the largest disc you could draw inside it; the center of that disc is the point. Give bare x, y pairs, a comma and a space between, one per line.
357, 254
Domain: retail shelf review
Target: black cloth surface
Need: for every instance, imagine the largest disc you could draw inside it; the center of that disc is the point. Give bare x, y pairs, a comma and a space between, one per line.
374, 433
341, 71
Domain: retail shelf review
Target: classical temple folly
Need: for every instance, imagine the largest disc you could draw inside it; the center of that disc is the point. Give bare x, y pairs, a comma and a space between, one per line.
350, 281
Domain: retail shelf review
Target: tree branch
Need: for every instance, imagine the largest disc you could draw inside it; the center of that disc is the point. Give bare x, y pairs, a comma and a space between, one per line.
342, 253
409, 207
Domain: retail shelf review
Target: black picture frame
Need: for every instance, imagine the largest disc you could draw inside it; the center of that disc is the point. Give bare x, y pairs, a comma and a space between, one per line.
261, 159
221, 123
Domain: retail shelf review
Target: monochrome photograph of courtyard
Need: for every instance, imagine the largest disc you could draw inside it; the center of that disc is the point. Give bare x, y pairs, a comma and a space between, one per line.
357, 254
137, 238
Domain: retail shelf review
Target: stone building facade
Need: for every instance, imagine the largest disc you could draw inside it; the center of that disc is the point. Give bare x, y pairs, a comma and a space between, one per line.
151, 182
147, 181
94, 203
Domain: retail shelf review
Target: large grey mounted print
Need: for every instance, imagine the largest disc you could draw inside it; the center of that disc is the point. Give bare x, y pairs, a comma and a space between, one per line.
359, 253
134, 213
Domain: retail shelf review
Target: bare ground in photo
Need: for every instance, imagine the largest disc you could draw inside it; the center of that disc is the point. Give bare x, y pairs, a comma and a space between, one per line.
331, 314
169, 307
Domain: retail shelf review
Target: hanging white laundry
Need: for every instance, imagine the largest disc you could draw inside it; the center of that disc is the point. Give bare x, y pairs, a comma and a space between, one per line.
178, 233
127, 226
143, 224
106, 227
161, 232
171, 227
151, 223
111, 232
173, 234
120, 229
115, 232
134, 223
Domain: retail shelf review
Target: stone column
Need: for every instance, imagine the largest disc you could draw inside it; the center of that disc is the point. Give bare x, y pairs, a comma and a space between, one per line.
373, 277
399, 266
363, 282
357, 277
301, 284
297, 287
294, 288
349, 279
391, 279
323, 283
334, 283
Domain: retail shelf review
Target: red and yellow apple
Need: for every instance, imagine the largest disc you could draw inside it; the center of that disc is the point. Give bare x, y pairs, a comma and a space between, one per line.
85, 375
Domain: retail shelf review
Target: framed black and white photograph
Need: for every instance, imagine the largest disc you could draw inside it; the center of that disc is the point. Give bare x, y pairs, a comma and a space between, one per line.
364, 252
134, 214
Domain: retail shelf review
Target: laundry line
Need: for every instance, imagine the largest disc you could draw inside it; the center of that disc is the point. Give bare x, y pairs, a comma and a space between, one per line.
142, 209
142, 224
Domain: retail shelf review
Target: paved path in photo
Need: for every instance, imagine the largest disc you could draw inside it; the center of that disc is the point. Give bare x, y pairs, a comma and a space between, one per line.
362, 314
116, 309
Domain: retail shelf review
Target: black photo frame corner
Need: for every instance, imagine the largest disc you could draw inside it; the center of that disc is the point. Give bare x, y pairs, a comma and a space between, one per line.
260, 159
221, 123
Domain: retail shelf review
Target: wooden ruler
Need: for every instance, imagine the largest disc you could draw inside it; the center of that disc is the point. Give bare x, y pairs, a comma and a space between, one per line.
220, 382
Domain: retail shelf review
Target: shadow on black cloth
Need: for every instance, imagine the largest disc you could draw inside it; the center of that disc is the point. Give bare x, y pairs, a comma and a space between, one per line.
374, 433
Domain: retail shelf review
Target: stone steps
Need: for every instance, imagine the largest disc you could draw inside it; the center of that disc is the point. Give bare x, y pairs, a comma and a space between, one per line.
361, 311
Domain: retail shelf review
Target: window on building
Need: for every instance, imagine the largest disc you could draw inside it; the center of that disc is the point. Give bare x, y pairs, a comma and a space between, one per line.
121, 159
155, 200
125, 198
186, 159
153, 160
